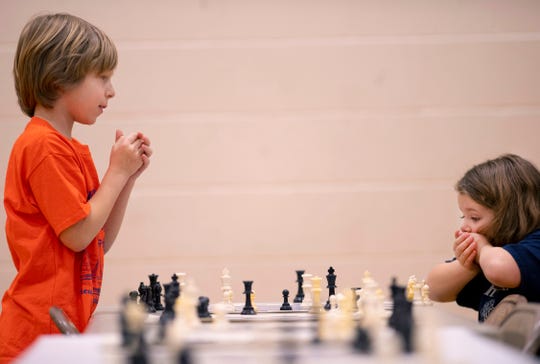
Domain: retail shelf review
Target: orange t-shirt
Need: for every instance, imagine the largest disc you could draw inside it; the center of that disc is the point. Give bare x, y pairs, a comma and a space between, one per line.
49, 181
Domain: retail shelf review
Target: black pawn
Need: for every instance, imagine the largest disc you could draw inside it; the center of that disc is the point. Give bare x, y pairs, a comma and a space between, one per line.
202, 309
149, 299
155, 286
175, 286
401, 319
300, 280
362, 341
139, 355
168, 314
133, 296
142, 293
331, 279
286, 306
248, 307
355, 296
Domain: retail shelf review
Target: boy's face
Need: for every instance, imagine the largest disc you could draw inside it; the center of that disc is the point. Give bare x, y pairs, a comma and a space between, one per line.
87, 100
476, 218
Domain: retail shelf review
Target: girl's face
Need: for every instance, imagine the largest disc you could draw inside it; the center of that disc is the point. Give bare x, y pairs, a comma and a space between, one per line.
476, 218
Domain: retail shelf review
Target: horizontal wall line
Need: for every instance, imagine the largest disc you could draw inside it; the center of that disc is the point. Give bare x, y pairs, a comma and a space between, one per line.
178, 117
292, 188
300, 42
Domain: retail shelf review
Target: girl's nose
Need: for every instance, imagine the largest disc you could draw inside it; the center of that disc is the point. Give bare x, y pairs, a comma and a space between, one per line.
465, 227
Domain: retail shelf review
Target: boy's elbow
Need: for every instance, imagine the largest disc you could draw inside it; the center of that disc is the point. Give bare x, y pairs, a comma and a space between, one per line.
74, 241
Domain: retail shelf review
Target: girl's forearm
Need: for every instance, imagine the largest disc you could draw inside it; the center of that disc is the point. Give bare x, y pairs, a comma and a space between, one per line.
499, 266
446, 280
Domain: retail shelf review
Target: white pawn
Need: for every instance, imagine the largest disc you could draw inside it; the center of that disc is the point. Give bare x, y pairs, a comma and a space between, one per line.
220, 320
181, 280
186, 306
226, 290
306, 287
316, 294
411, 288
227, 301
425, 294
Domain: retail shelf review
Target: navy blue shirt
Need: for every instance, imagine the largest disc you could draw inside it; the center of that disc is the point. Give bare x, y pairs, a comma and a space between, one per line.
479, 294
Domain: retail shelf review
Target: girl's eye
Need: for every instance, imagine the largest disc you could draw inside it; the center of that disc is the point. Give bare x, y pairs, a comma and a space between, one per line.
475, 219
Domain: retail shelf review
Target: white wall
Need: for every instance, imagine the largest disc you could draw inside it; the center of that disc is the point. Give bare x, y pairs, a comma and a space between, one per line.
298, 134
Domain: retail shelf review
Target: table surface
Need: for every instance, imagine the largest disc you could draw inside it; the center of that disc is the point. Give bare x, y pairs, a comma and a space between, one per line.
272, 336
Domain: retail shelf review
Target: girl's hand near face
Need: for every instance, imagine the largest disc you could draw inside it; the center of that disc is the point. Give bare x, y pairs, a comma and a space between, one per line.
481, 242
465, 250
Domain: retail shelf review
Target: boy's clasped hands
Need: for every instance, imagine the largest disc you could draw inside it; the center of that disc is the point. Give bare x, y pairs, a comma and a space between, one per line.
131, 153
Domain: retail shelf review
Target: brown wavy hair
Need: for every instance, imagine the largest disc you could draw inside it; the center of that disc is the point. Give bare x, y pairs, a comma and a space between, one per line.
54, 53
509, 186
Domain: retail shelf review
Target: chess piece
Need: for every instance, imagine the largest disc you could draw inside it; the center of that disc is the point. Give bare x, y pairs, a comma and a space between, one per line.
155, 287
185, 356
331, 280
202, 309
401, 318
355, 296
220, 320
142, 293
168, 315
285, 306
175, 287
411, 286
316, 293
133, 296
306, 286
362, 341
425, 294
181, 277
132, 319
248, 307
300, 293
226, 290
227, 301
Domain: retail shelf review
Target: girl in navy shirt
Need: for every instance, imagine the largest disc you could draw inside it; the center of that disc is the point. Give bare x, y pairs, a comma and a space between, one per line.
497, 247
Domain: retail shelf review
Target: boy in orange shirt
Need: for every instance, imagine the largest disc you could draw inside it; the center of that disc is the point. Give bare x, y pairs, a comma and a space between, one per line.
60, 219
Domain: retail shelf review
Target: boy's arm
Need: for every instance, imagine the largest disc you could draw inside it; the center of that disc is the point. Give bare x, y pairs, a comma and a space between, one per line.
78, 236
125, 162
114, 222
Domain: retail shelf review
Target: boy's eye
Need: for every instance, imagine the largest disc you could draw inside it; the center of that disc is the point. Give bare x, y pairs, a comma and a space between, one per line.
475, 219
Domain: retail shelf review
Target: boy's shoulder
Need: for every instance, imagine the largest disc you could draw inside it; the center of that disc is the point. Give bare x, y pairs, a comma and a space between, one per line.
40, 139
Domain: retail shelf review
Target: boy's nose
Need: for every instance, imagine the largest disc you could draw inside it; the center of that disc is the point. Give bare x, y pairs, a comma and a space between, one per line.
110, 92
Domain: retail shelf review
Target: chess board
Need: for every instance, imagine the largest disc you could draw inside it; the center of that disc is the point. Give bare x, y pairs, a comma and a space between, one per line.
271, 337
